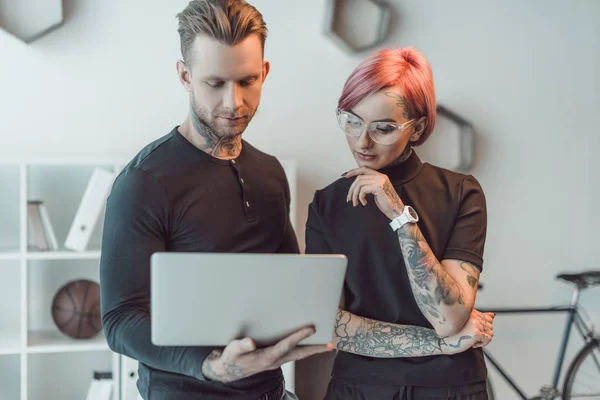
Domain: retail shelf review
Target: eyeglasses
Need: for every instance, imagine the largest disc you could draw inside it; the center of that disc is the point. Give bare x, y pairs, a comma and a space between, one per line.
385, 133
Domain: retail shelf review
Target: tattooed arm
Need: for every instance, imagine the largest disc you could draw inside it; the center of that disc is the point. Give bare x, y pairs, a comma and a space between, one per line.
445, 292
368, 337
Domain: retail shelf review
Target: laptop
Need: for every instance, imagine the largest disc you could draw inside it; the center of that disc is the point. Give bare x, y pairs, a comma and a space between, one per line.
209, 299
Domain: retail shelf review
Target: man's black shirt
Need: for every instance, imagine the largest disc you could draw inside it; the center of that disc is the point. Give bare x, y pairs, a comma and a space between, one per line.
174, 197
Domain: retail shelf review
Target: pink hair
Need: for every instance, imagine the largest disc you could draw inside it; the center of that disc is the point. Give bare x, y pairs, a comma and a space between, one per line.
406, 68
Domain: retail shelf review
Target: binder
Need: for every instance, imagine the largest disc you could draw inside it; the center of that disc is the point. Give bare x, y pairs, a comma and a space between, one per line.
101, 387
48, 229
90, 207
37, 237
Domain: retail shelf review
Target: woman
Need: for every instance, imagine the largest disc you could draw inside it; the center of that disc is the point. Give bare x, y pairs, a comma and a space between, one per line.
414, 236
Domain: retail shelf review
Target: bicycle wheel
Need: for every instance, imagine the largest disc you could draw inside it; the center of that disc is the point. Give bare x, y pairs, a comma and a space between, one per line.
583, 377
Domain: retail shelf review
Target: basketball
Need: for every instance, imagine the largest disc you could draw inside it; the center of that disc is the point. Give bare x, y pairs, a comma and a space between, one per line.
76, 309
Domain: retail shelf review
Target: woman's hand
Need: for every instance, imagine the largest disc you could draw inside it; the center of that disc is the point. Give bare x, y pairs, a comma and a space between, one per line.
477, 332
369, 181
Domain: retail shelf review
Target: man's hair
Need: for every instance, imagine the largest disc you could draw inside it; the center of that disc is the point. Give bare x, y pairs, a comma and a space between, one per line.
228, 21
404, 67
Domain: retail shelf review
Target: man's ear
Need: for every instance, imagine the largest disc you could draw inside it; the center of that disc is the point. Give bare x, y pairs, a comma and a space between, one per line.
420, 126
266, 69
184, 74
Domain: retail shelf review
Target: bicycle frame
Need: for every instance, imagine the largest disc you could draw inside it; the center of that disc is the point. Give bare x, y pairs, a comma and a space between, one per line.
573, 318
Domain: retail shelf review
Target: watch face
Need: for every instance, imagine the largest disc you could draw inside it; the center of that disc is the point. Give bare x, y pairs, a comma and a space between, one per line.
412, 212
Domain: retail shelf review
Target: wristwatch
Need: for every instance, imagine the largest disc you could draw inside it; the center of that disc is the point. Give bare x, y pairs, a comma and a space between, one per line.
408, 215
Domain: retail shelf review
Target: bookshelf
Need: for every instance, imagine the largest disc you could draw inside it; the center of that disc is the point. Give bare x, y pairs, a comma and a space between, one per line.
10, 365
37, 361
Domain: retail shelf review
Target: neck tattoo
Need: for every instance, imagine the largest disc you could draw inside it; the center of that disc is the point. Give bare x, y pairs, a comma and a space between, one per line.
226, 147
404, 156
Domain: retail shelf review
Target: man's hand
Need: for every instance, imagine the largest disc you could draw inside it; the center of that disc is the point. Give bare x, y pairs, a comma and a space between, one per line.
241, 359
477, 332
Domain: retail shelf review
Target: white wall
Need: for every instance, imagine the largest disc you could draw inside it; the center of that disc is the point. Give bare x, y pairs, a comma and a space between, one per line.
525, 73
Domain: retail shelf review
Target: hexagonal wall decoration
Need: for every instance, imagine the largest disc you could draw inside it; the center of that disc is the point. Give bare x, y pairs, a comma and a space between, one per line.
357, 25
451, 144
29, 20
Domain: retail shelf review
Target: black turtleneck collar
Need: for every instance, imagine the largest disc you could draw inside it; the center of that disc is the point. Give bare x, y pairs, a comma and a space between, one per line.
401, 173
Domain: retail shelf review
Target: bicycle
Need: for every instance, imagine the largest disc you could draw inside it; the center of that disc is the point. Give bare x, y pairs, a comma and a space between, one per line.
588, 356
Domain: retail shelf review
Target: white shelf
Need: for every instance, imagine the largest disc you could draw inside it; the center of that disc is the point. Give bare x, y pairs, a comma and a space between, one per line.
63, 161
10, 254
63, 255
34, 354
63, 376
10, 312
10, 343
10, 377
9, 210
56, 342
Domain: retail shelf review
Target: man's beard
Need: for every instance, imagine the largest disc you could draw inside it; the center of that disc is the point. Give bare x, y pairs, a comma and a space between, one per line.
201, 117
219, 141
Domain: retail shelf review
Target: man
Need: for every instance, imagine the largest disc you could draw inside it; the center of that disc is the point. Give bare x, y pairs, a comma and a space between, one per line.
201, 188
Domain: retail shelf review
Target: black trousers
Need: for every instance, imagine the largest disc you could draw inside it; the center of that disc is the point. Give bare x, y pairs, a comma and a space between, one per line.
342, 390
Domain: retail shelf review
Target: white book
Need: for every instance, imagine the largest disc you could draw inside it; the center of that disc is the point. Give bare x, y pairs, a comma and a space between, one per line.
90, 207
48, 229
37, 237
101, 388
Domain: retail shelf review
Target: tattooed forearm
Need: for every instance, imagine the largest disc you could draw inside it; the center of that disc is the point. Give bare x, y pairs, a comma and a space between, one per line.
426, 302
457, 345
372, 338
472, 273
432, 286
447, 290
391, 194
